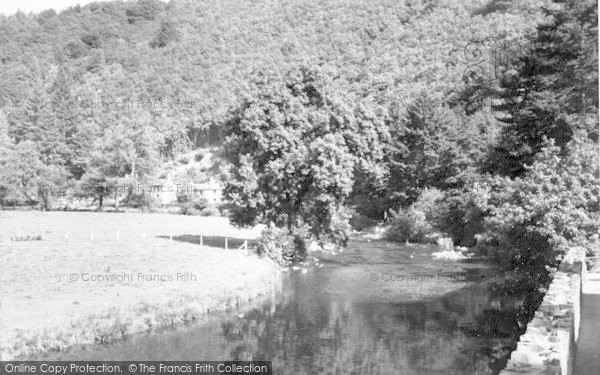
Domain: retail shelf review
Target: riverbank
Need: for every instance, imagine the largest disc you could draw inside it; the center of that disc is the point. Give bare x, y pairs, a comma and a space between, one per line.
96, 277
587, 351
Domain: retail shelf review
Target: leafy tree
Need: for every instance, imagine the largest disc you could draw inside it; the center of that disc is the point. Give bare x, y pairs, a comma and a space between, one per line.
76, 49
143, 10
293, 149
532, 220
168, 33
92, 40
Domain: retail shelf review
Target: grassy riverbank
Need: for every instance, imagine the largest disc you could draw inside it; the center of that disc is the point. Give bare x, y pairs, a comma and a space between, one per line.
98, 276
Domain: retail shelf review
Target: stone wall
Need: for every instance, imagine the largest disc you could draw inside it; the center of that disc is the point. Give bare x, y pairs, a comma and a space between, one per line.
548, 345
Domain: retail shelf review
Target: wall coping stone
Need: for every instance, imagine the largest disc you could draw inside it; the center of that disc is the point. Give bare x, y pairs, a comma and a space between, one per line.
548, 345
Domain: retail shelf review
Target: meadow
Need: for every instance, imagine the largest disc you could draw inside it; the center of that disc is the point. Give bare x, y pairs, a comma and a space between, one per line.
91, 277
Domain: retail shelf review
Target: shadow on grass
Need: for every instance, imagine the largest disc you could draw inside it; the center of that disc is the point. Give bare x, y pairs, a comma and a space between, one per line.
211, 241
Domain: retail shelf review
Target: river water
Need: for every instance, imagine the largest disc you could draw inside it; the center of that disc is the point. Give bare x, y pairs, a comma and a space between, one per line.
376, 308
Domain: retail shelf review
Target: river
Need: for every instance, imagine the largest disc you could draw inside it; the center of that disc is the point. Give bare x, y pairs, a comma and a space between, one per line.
376, 308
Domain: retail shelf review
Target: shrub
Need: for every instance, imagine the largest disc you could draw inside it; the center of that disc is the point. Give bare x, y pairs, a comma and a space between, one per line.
283, 246
210, 211
340, 229
194, 206
145, 201
461, 217
420, 221
199, 156
277, 244
408, 225
430, 204
184, 160
359, 221
200, 203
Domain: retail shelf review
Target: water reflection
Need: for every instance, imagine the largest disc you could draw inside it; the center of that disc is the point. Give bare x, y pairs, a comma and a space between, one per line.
337, 320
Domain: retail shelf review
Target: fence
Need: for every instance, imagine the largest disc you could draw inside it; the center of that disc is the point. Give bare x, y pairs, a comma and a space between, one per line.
114, 236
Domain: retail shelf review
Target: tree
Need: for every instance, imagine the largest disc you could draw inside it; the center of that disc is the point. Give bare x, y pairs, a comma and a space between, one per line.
293, 149
433, 146
532, 220
92, 40
67, 121
168, 33
5, 140
6, 150
144, 10
20, 173
41, 149
551, 91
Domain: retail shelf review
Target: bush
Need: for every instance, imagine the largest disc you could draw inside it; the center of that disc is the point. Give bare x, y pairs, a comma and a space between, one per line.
462, 218
184, 160
282, 246
147, 202
199, 156
359, 221
420, 221
430, 204
409, 225
194, 206
210, 211
277, 244
340, 229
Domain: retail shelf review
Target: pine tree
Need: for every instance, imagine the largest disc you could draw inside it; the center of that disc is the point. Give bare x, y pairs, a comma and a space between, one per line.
66, 118
544, 97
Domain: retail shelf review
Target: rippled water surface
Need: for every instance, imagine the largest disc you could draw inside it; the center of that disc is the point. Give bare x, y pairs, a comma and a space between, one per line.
376, 308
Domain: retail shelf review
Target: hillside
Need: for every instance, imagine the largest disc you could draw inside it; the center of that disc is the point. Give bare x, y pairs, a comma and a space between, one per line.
110, 85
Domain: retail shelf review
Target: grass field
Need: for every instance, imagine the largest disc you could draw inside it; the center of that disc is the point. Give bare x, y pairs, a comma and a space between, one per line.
95, 277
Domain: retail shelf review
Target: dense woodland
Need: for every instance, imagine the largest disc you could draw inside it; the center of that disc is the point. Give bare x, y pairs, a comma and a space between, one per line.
324, 111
